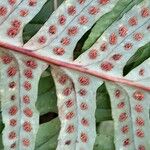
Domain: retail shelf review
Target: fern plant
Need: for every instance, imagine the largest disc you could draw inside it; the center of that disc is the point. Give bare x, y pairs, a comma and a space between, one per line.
119, 32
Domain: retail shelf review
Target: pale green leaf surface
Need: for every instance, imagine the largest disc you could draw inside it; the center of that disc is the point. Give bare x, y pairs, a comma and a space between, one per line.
105, 135
46, 131
47, 102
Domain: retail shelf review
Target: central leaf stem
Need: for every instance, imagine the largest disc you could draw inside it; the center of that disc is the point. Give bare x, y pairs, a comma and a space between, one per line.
73, 66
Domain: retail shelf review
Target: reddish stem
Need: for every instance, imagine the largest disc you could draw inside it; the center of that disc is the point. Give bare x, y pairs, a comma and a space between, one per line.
79, 68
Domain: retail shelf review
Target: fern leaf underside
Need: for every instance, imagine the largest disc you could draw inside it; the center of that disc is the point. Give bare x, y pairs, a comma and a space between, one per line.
76, 91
